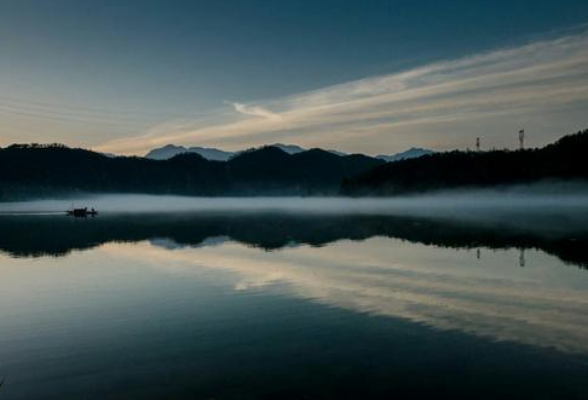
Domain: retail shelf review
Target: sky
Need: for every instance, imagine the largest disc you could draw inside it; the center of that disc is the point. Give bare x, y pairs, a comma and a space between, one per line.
375, 77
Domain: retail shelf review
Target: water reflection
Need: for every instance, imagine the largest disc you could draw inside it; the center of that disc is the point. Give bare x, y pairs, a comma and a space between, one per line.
370, 306
33, 236
543, 305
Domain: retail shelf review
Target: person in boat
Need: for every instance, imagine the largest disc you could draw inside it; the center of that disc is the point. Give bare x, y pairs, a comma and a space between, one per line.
81, 212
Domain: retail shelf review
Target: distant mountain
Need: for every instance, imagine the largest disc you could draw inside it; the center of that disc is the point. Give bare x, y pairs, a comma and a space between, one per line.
212, 154
562, 160
289, 148
413, 152
28, 171
337, 152
169, 151
166, 152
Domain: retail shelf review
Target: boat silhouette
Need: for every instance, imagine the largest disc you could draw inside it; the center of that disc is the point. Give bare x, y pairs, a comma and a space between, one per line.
82, 212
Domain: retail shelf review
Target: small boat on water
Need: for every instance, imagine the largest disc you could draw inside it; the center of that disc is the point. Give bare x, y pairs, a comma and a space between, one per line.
82, 212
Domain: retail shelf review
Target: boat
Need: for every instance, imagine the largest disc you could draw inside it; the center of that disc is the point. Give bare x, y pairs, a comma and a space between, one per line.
82, 212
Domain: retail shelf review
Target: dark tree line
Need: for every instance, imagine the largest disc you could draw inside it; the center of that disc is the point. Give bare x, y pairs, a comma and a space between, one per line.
38, 170
562, 160
28, 171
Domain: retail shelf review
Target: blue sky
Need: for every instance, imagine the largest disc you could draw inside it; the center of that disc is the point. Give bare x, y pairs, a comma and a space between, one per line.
127, 76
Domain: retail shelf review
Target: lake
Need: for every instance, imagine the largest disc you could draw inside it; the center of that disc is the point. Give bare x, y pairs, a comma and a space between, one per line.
286, 302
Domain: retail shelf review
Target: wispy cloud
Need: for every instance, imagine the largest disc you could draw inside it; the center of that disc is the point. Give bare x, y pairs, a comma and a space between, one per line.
394, 279
542, 86
255, 111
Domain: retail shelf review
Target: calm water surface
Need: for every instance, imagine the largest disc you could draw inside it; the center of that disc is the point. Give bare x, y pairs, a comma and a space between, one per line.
258, 306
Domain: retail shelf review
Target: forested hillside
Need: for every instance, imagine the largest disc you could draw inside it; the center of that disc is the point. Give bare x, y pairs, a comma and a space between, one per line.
28, 171
562, 160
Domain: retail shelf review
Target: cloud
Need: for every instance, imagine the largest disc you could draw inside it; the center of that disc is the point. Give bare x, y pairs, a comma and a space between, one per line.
255, 111
423, 284
541, 86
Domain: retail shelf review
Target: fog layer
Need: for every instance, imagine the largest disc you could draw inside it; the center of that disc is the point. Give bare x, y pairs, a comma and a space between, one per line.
554, 199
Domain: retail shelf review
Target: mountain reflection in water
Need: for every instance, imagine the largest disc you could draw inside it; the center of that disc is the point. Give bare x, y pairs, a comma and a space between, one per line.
512, 284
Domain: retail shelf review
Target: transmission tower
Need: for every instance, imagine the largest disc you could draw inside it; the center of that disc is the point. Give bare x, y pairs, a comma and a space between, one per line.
477, 144
522, 139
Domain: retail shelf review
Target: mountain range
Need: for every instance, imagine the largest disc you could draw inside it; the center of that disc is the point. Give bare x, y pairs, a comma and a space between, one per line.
45, 170
31, 171
212, 154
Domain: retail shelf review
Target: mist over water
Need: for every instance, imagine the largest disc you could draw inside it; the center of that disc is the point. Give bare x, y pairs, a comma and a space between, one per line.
550, 199
540, 208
